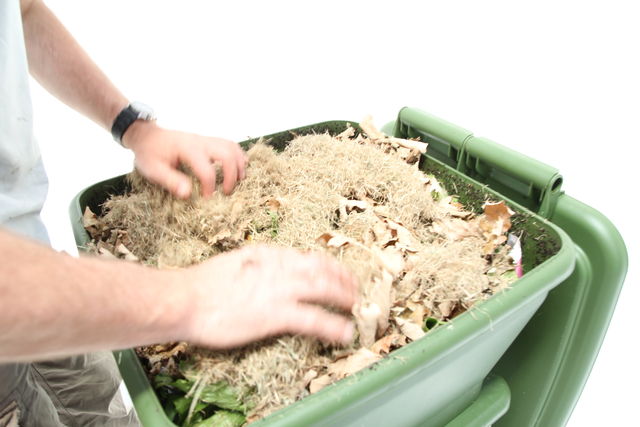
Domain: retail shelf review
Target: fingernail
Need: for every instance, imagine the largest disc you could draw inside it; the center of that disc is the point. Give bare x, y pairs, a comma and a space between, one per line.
183, 190
347, 335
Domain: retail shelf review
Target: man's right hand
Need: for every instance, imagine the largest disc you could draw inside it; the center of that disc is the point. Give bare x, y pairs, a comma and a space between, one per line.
260, 291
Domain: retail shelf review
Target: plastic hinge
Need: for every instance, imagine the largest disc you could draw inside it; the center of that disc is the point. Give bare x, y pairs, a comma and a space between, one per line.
446, 140
524, 180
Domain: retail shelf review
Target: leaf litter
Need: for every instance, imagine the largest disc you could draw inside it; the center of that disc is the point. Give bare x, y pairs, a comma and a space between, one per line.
420, 258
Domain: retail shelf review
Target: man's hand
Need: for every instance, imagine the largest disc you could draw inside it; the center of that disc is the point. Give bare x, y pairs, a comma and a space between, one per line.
260, 291
159, 152
54, 305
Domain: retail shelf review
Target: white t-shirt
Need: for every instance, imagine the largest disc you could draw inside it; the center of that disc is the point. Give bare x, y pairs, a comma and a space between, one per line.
23, 181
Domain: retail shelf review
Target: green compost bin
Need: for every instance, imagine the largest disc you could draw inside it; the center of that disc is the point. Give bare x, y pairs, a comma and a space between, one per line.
506, 361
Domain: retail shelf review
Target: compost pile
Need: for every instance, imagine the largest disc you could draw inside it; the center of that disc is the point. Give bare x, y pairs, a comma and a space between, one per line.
421, 258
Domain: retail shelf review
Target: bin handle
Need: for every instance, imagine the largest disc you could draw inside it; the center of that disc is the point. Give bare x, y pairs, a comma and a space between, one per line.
523, 179
446, 140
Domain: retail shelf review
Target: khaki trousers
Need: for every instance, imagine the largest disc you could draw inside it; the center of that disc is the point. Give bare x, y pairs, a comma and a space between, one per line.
78, 391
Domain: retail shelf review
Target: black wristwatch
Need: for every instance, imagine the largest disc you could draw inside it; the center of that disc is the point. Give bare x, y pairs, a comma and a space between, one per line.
131, 113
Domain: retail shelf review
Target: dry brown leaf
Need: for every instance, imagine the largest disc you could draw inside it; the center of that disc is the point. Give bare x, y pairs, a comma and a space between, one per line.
461, 214
168, 351
404, 152
346, 134
410, 155
319, 383
92, 224
417, 312
224, 234
408, 284
354, 205
496, 218
494, 223
308, 377
333, 240
455, 209
389, 258
89, 219
366, 316
413, 157
122, 238
446, 308
384, 344
368, 127
410, 329
273, 203
381, 233
126, 253
373, 133
382, 211
380, 295
352, 364
106, 253
419, 146
457, 205
432, 184
455, 228
404, 236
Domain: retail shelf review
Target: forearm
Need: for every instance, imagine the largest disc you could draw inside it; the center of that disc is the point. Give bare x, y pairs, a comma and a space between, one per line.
61, 66
52, 304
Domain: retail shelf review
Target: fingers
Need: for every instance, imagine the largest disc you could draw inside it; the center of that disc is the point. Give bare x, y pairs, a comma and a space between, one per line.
204, 170
325, 281
233, 168
241, 162
317, 322
231, 156
170, 178
230, 174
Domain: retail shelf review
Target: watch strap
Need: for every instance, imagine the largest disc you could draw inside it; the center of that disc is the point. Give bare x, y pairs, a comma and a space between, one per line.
122, 122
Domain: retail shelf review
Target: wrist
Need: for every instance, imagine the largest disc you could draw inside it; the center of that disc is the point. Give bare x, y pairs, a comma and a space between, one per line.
128, 116
171, 316
138, 132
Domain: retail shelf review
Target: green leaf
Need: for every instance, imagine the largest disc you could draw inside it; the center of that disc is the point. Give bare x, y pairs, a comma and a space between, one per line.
182, 405
170, 411
183, 385
197, 417
510, 275
222, 419
430, 323
188, 369
162, 380
275, 227
223, 396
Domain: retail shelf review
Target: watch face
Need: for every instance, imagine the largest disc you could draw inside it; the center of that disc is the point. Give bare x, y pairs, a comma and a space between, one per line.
144, 111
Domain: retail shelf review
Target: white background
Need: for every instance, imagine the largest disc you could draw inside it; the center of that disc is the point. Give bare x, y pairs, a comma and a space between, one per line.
556, 80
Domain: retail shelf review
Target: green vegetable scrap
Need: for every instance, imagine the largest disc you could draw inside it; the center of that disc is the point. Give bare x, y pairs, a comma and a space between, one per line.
430, 323
223, 396
222, 419
218, 404
275, 228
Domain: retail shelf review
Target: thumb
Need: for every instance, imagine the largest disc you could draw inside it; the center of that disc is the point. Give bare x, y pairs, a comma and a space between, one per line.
174, 181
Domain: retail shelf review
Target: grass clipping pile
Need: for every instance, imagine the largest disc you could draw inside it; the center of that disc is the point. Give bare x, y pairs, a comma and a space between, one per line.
421, 259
